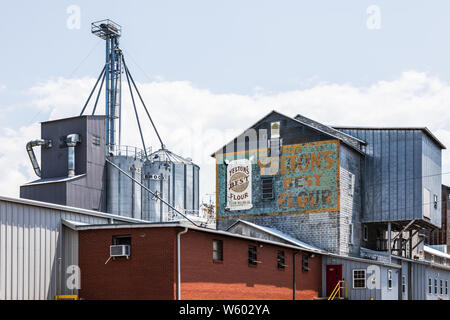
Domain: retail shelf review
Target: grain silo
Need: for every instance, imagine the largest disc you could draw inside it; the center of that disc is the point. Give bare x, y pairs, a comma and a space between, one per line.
176, 180
123, 195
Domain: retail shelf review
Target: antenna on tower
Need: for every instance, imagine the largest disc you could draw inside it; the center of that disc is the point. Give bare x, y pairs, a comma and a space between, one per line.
110, 32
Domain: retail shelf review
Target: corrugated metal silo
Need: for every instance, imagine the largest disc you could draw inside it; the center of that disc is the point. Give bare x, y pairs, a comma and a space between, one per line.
123, 194
176, 181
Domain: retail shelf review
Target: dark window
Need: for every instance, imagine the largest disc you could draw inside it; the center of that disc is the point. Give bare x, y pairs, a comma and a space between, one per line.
305, 263
365, 233
267, 188
281, 260
435, 286
442, 286
122, 240
446, 286
359, 278
252, 255
217, 250
430, 286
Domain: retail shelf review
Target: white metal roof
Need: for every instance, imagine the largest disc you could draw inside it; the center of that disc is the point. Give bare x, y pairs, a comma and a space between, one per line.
280, 235
70, 209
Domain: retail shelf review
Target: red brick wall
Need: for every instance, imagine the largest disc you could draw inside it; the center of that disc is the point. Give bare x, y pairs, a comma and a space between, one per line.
148, 274
201, 278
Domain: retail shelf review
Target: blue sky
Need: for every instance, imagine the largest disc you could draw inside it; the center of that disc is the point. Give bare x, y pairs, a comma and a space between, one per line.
307, 57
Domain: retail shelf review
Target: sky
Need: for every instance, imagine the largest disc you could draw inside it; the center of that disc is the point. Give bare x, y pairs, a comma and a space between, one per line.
210, 69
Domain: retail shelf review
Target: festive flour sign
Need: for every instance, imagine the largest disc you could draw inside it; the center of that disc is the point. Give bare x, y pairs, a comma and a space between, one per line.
239, 185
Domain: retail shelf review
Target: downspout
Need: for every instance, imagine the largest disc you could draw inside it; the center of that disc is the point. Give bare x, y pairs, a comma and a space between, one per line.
179, 261
294, 276
34, 162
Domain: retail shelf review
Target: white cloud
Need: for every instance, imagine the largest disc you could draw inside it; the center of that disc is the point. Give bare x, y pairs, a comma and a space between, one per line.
195, 122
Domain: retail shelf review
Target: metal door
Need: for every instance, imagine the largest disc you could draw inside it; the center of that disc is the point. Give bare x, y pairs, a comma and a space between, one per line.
334, 275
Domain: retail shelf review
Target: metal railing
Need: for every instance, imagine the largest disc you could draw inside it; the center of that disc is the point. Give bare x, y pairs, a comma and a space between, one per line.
129, 151
340, 290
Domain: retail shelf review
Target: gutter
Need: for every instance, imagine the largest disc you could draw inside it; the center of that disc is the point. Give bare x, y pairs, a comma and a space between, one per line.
179, 261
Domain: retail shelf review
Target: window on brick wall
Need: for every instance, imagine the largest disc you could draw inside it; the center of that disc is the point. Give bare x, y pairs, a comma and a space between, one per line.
305, 263
217, 250
121, 240
267, 188
252, 255
281, 260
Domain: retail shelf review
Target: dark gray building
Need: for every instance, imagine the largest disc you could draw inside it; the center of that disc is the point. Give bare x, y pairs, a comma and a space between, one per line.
82, 186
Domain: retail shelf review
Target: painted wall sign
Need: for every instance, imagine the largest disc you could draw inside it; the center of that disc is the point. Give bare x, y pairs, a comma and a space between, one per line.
305, 180
239, 185
309, 177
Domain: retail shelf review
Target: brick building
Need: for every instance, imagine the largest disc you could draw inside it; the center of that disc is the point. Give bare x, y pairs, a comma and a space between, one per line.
213, 264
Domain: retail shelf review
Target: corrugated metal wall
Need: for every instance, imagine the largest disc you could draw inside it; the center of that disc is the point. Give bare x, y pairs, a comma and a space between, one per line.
393, 173
362, 293
31, 243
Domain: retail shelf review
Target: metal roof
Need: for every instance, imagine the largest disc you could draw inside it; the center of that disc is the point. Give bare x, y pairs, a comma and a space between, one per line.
189, 226
332, 132
70, 209
424, 129
280, 235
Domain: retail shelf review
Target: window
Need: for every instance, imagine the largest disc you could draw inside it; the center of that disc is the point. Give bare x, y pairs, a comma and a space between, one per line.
359, 278
403, 284
435, 286
430, 286
435, 201
446, 287
280, 260
389, 275
122, 240
217, 250
252, 255
441, 286
365, 233
305, 263
267, 188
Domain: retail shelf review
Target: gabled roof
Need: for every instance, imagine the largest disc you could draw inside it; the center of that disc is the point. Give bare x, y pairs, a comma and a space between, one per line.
335, 134
423, 129
280, 235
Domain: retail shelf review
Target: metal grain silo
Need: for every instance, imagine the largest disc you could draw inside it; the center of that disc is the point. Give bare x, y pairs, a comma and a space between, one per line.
123, 196
176, 181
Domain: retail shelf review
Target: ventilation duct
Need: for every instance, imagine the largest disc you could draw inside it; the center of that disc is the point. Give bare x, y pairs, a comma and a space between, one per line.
71, 142
30, 146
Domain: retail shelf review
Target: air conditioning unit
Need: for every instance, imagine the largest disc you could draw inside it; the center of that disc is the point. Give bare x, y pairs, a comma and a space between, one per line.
119, 251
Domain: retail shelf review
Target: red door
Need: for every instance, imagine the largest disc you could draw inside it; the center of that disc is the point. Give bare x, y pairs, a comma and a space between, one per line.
334, 274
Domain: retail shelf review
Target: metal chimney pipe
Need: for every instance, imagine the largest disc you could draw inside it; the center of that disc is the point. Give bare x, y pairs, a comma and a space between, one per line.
71, 142
34, 162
